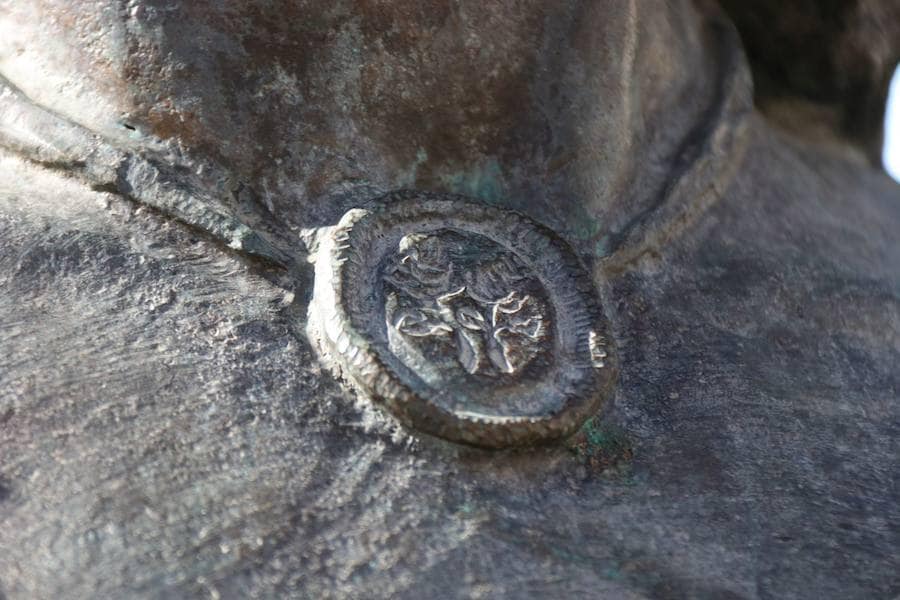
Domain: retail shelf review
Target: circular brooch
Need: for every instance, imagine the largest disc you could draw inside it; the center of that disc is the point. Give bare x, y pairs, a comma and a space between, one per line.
466, 322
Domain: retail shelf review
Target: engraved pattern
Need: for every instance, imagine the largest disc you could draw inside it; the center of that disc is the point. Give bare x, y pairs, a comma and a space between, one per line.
598, 351
469, 293
399, 285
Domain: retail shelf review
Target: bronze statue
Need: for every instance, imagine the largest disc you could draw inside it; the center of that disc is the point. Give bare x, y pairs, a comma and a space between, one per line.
447, 299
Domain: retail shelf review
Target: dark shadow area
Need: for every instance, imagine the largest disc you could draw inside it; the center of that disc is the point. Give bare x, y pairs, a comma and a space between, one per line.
836, 54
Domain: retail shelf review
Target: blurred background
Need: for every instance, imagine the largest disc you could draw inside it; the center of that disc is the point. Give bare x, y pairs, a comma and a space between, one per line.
892, 129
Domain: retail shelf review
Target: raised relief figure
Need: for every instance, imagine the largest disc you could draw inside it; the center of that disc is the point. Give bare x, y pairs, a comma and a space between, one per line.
450, 290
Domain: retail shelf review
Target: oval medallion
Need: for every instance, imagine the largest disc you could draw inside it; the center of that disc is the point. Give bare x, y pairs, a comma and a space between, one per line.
467, 322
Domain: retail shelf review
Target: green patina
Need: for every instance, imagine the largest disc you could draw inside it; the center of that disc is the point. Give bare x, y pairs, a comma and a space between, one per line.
586, 228
603, 445
604, 437
484, 182
602, 247
613, 573
412, 174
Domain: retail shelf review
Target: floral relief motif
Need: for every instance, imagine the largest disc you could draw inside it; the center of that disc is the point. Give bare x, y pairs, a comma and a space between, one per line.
467, 292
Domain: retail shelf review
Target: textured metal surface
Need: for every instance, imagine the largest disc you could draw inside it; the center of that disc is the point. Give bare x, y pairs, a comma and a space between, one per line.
160, 180
167, 430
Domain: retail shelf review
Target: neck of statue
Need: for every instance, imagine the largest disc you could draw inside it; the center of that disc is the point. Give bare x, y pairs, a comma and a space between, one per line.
604, 120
